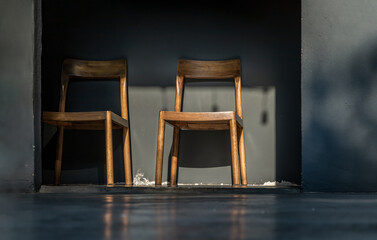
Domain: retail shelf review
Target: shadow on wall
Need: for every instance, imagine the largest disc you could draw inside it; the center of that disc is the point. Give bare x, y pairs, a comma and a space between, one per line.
340, 147
202, 150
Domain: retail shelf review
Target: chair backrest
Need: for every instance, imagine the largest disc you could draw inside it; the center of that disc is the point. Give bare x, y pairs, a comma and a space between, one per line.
109, 69
208, 70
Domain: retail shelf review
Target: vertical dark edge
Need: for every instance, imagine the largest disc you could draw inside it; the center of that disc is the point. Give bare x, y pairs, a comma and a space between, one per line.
37, 94
301, 109
300, 99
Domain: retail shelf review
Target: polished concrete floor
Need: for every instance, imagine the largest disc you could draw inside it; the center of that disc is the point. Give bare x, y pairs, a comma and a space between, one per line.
188, 216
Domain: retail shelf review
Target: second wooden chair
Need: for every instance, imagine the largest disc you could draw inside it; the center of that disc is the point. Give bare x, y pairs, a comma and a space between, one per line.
204, 70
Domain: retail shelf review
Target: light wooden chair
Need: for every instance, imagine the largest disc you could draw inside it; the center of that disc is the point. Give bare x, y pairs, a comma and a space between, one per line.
206, 71
101, 120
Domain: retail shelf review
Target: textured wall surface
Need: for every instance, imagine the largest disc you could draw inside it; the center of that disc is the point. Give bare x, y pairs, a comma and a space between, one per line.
338, 87
17, 140
339, 95
265, 35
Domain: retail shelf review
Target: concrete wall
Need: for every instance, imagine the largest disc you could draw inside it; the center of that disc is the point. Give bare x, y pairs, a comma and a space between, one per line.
339, 95
17, 90
338, 86
265, 35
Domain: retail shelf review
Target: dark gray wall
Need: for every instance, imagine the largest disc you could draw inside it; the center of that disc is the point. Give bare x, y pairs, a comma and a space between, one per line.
17, 90
265, 35
339, 95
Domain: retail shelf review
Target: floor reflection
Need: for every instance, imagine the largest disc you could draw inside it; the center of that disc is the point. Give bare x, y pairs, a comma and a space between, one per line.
166, 216
179, 216
115, 218
191, 216
108, 216
237, 217
125, 216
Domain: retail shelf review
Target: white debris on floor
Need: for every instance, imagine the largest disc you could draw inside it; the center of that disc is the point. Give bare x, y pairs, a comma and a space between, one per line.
276, 183
140, 180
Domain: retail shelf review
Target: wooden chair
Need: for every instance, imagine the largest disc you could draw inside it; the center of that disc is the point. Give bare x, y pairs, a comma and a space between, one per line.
204, 70
103, 120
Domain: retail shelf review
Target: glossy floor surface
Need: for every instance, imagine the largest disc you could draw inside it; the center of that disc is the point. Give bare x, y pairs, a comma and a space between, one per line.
188, 216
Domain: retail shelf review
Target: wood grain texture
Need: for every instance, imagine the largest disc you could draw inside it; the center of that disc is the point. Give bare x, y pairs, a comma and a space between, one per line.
100, 120
209, 69
109, 149
237, 86
234, 150
174, 158
160, 150
83, 120
127, 156
94, 69
241, 146
228, 120
178, 94
212, 118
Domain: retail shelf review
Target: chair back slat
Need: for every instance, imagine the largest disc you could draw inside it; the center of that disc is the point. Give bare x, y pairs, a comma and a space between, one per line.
94, 69
209, 69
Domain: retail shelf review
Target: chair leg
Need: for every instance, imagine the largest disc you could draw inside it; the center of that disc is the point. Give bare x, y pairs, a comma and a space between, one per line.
127, 156
160, 150
234, 149
174, 158
109, 149
241, 147
59, 155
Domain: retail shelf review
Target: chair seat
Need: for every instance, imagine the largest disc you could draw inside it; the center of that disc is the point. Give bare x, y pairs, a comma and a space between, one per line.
201, 120
83, 120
